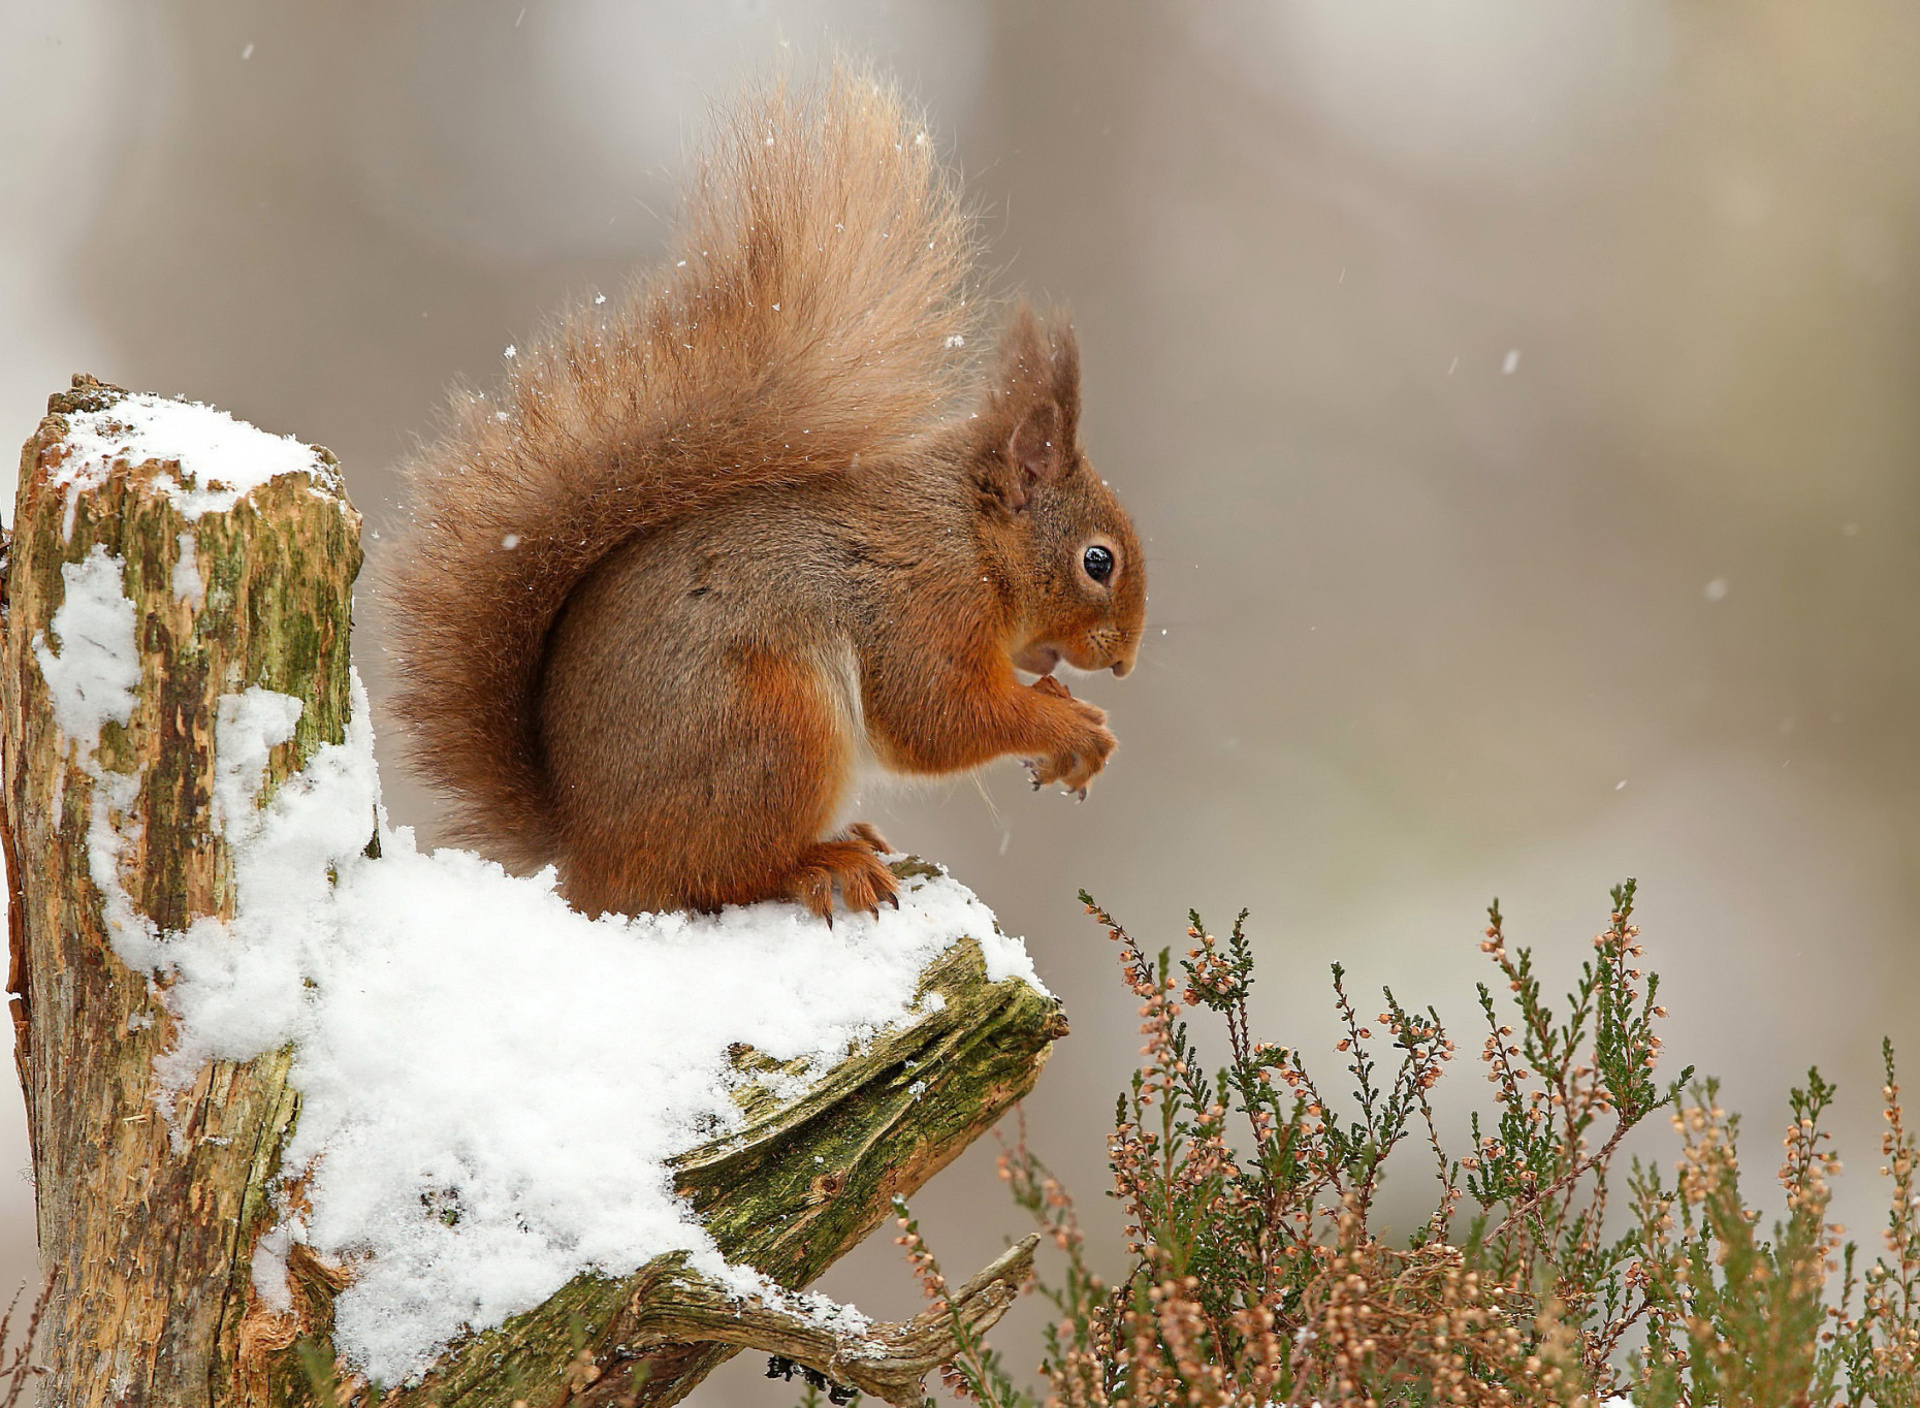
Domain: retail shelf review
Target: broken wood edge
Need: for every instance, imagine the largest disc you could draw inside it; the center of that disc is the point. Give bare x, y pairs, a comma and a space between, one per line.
888, 1359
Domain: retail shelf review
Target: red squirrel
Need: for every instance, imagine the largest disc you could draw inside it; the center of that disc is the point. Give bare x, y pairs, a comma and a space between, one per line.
711, 555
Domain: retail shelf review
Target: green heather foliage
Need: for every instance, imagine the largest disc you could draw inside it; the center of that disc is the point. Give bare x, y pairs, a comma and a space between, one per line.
1257, 1275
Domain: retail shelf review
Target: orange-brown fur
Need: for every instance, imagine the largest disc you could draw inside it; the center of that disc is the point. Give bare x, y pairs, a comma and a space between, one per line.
711, 554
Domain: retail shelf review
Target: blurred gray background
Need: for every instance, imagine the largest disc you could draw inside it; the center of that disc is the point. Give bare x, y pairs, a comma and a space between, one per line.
1519, 401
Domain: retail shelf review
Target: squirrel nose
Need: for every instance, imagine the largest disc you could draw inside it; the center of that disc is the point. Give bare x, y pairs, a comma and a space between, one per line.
1123, 665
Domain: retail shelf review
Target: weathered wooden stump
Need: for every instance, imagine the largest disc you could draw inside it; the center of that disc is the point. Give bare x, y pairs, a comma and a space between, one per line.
149, 1217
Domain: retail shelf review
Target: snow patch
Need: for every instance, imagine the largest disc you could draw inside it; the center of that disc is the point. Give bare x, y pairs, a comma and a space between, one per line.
270, 1268
112, 826
221, 459
187, 586
93, 676
246, 728
91, 680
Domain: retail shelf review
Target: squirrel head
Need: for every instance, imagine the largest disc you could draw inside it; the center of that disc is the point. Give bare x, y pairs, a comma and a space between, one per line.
1078, 581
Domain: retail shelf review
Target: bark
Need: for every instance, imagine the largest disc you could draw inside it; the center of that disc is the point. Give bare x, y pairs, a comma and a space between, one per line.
148, 1222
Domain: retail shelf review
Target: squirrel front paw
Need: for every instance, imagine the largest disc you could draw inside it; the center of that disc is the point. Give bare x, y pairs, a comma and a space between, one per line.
1085, 751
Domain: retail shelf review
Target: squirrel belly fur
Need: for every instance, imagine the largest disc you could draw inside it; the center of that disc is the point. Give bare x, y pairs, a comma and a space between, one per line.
707, 552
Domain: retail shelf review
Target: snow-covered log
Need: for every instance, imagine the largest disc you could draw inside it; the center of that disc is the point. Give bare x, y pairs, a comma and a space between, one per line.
302, 1095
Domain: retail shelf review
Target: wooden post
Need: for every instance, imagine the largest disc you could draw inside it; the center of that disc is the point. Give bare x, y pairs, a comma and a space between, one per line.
148, 1219
140, 1218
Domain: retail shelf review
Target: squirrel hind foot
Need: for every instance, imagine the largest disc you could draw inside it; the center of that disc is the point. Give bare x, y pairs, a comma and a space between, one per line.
864, 881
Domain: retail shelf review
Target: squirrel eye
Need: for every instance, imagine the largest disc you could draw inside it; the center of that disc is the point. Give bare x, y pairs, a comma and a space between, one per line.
1098, 562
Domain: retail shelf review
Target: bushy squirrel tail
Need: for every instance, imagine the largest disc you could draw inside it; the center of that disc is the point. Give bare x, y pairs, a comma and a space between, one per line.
822, 285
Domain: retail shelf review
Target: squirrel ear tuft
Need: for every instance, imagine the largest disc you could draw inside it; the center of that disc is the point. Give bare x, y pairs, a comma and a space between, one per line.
1034, 408
1064, 346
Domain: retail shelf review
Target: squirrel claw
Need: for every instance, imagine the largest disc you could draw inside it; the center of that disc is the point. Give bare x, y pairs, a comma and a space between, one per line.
1079, 794
852, 866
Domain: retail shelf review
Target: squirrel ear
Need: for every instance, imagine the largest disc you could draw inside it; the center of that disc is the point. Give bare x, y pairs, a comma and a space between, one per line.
1034, 408
1035, 447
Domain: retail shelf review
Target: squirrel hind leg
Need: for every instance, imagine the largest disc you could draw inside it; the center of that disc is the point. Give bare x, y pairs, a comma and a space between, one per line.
862, 878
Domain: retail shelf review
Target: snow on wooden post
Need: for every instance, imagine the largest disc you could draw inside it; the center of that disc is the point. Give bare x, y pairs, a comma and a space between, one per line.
233, 1172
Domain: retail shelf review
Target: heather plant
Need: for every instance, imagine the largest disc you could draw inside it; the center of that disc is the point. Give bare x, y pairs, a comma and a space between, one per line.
18, 1371
1258, 1272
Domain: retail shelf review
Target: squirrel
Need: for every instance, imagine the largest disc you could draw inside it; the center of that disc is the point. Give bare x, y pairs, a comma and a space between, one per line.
712, 557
